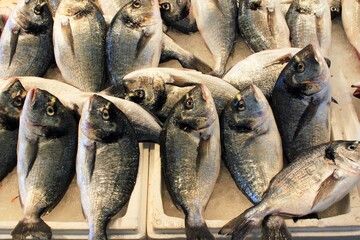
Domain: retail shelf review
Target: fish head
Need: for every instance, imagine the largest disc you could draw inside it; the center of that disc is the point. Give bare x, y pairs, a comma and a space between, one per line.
174, 9
45, 114
147, 91
140, 13
33, 15
75, 8
248, 110
101, 120
196, 110
346, 155
11, 103
307, 73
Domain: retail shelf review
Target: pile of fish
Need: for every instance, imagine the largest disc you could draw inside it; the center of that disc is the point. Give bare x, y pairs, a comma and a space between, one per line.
268, 117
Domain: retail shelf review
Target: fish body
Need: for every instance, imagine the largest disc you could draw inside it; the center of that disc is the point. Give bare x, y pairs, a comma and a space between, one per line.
111, 7
310, 23
11, 103
351, 22
248, 130
178, 14
301, 102
326, 173
216, 20
26, 47
134, 39
190, 172
5, 13
53, 6
151, 79
79, 43
263, 25
46, 160
107, 163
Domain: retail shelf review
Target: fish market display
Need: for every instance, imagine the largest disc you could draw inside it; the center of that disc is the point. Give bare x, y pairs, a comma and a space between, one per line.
309, 22
350, 15
26, 47
53, 6
46, 160
79, 43
146, 126
178, 14
248, 130
216, 20
107, 163
191, 171
11, 103
134, 39
149, 81
263, 25
326, 173
301, 102
111, 7
261, 68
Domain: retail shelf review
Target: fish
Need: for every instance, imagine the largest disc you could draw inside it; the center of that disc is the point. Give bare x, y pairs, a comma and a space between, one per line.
357, 91
147, 127
178, 14
301, 102
171, 50
53, 6
107, 163
248, 130
11, 103
350, 17
309, 22
261, 69
326, 173
216, 21
150, 79
190, 172
111, 7
4, 16
79, 44
262, 25
134, 39
46, 154
26, 47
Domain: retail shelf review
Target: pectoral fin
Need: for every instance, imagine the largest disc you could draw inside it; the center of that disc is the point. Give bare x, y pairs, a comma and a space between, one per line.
281, 60
14, 38
31, 153
90, 159
142, 43
326, 188
68, 35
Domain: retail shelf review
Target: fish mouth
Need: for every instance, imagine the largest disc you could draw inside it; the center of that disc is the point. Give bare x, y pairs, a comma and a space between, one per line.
32, 95
357, 90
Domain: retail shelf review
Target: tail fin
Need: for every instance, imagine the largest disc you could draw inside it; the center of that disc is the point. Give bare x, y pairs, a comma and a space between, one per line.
36, 228
199, 231
274, 228
194, 62
240, 226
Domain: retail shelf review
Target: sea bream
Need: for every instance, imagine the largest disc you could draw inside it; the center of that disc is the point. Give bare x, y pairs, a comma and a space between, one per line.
46, 155
350, 16
26, 47
191, 171
317, 179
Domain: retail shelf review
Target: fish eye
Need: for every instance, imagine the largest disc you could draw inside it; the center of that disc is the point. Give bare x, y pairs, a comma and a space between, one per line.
18, 101
136, 4
240, 105
140, 94
300, 67
165, 6
189, 103
38, 9
352, 147
105, 114
333, 9
50, 111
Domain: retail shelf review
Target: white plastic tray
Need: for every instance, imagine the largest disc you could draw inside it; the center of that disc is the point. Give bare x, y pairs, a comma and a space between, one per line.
67, 220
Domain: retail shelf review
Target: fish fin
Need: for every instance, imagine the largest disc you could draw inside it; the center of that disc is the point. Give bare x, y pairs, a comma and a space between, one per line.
280, 60
14, 38
90, 159
31, 153
307, 116
274, 227
68, 35
195, 230
143, 41
334, 100
326, 188
115, 91
27, 227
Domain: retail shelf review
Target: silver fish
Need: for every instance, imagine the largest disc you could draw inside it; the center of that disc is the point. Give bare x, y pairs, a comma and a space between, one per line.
106, 164
79, 43
26, 47
351, 22
326, 173
191, 171
263, 25
111, 7
53, 6
46, 160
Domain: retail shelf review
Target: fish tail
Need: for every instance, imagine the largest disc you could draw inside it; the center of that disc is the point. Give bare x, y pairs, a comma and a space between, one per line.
37, 228
197, 64
97, 230
274, 228
240, 226
197, 230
